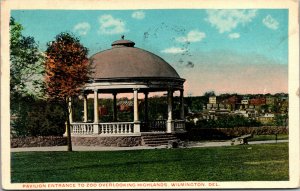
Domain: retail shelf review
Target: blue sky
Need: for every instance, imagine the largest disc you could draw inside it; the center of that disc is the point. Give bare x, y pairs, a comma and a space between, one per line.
237, 51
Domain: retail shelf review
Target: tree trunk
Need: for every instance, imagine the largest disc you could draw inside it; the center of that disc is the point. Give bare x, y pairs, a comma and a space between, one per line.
67, 109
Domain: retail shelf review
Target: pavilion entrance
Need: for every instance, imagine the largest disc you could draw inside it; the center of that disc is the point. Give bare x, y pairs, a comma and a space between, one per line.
130, 70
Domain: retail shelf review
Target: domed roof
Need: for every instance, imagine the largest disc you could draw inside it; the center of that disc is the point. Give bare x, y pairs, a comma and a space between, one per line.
123, 60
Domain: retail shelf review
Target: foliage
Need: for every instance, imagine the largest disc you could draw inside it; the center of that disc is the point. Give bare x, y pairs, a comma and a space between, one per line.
26, 68
265, 162
67, 69
38, 118
209, 93
26, 71
195, 104
281, 120
228, 122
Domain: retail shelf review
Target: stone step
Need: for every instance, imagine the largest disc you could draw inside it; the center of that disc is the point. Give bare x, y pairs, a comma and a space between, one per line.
157, 139
158, 136
160, 139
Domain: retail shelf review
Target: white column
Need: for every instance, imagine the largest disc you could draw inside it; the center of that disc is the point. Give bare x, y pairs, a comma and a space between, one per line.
96, 112
136, 112
170, 125
70, 110
85, 108
181, 105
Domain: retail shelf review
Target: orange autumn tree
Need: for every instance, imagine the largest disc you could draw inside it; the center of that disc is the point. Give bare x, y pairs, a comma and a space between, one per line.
67, 69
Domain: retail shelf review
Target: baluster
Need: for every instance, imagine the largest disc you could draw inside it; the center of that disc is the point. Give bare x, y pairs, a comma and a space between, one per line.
108, 129
100, 129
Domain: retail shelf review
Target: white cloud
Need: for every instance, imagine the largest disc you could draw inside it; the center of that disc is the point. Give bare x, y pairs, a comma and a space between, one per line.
111, 25
227, 20
138, 15
270, 22
192, 36
234, 35
82, 28
174, 50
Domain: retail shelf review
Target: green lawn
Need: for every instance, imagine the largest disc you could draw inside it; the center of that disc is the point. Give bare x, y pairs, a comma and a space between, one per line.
232, 163
268, 137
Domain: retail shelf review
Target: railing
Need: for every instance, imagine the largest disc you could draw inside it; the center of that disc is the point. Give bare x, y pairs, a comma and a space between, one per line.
157, 125
82, 128
124, 128
179, 125
116, 128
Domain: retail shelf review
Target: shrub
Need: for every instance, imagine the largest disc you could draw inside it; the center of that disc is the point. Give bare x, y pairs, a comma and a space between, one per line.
228, 122
37, 117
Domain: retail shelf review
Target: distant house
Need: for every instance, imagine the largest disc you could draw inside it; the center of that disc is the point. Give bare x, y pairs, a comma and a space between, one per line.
267, 118
270, 100
103, 110
125, 105
257, 101
245, 102
212, 100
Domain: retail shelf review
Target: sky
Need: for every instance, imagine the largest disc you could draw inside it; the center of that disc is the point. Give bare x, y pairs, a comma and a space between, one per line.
226, 51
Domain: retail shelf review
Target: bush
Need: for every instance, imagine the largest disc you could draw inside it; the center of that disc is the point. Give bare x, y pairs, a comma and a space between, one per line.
37, 117
228, 122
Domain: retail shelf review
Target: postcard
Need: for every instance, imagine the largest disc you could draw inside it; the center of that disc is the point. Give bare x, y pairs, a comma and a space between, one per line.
153, 94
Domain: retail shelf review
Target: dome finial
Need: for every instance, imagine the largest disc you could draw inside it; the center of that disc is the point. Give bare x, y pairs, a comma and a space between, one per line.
122, 37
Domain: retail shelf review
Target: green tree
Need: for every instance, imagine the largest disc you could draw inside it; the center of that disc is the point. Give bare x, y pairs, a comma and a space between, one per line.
67, 69
26, 64
26, 74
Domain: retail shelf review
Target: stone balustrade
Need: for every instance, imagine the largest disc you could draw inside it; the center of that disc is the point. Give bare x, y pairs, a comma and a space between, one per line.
113, 128
122, 128
116, 128
179, 125
82, 128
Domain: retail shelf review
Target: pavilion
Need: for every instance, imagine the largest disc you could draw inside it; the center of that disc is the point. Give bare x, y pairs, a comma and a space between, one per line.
127, 69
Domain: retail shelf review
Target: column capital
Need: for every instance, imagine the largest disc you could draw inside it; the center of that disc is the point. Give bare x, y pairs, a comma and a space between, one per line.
136, 89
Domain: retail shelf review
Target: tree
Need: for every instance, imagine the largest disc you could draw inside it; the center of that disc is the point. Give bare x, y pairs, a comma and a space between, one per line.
26, 68
209, 94
26, 74
67, 69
